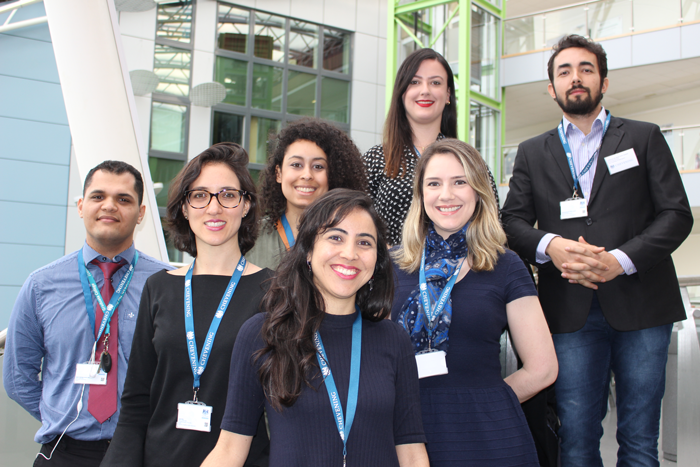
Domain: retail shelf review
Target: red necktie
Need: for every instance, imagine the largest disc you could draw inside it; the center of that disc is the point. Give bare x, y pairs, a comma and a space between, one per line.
102, 400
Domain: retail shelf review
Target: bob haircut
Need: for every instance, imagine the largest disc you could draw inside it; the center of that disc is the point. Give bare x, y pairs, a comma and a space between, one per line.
574, 40
397, 129
235, 157
345, 167
296, 307
485, 235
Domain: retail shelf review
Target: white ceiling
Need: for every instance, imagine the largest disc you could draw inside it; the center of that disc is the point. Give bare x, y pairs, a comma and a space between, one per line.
530, 110
526, 7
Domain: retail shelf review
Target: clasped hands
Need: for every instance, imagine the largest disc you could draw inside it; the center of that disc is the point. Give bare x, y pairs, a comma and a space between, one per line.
583, 263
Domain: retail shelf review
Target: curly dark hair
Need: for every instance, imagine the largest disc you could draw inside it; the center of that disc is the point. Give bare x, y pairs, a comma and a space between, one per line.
236, 158
296, 307
345, 167
397, 129
574, 40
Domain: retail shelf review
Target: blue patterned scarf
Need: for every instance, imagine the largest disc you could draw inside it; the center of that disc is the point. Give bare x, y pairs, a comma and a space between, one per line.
442, 257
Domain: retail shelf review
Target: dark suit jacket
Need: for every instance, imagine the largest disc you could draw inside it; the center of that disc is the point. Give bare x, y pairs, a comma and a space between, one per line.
642, 211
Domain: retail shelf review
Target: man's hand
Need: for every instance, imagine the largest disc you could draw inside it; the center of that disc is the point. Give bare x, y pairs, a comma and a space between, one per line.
606, 270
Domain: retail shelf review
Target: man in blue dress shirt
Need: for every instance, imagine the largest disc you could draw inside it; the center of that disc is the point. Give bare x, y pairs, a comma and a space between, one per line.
52, 330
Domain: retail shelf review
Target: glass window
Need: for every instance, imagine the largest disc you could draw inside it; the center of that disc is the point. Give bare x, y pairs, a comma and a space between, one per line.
301, 93
303, 42
335, 100
263, 132
164, 171
483, 131
233, 28
484, 53
172, 66
174, 21
336, 51
269, 36
267, 87
233, 74
228, 127
168, 127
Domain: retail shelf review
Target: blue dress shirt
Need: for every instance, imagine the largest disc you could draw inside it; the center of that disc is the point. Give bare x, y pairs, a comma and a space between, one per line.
49, 321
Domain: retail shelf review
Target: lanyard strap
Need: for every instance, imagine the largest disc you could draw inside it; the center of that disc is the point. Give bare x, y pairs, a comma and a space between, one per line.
432, 313
88, 283
569, 154
287, 231
344, 424
198, 367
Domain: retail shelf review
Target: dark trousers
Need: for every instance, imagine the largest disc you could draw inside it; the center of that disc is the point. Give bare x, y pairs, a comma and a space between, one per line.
72, 453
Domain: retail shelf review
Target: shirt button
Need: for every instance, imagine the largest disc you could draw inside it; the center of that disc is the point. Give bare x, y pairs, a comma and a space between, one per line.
589, 221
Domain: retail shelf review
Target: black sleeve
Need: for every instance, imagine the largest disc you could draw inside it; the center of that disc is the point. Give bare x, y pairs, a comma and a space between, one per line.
127, 446
408, 423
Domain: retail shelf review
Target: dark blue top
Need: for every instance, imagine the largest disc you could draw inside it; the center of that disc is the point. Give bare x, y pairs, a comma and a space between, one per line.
388, 408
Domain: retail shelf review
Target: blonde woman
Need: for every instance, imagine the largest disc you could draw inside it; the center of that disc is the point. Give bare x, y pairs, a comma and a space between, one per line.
458, 289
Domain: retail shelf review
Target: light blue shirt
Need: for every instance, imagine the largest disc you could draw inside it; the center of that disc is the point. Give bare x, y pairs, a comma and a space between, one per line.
49, 321
582, 148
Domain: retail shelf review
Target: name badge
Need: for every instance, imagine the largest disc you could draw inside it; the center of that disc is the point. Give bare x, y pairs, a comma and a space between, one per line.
573, 208
431, 363
622, 161
89, 373
193, 416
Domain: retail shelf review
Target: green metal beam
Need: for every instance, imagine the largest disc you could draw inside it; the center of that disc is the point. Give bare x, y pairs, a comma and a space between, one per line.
419, 5
444, 26
391, 53
494, 10
463, 78
410, 33
485, 100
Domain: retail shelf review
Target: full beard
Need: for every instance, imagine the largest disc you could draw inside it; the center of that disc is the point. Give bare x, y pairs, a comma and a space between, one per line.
583, 106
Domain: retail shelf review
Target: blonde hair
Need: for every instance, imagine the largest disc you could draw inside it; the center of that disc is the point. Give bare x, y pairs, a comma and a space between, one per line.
485, 235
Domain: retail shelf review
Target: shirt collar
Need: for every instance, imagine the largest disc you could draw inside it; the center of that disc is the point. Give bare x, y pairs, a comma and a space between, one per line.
89, 254
600, 118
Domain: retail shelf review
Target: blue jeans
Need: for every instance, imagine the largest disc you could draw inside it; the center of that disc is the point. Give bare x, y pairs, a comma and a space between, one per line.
638, 360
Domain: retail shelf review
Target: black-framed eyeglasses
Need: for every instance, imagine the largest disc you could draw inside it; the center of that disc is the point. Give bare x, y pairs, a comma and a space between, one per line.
227, 198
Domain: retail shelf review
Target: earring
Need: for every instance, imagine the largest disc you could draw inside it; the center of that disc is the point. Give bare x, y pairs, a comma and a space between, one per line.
308, 263
371, 284
245, 214
186, 218
448, 102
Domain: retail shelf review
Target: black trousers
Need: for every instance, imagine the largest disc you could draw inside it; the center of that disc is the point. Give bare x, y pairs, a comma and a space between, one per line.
72, 453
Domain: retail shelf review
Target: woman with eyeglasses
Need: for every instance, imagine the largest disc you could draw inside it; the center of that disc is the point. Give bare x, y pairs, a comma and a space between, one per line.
310, 157
337, 379
175, 389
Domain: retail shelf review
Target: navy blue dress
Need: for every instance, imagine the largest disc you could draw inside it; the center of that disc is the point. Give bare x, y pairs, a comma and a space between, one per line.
471, 416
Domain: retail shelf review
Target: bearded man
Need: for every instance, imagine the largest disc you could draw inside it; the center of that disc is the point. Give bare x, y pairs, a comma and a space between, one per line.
610, 209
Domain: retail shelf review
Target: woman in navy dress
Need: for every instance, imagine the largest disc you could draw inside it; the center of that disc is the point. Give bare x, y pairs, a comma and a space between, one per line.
458, 289
338, 381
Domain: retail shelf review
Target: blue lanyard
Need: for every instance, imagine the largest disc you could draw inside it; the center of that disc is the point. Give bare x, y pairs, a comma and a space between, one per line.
88, 283
344, 424
569, 154
288, 230
432, 313
198, 367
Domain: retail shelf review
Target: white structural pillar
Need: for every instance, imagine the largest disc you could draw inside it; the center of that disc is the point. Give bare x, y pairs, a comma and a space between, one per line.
99, 99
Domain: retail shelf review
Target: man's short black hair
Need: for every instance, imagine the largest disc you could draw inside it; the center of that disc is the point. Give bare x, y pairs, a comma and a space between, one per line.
574, 40
117, 168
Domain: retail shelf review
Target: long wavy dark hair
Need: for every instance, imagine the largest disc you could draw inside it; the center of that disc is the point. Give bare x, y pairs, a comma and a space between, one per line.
296, 307
236, 158
345, 167
397, 129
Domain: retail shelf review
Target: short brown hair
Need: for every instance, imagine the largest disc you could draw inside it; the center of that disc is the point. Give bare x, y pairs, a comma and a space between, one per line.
574, 40
236, 158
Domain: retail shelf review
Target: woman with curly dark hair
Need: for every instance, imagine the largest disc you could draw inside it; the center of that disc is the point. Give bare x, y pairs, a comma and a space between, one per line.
423, 109
338, 380
311, 157
212, 215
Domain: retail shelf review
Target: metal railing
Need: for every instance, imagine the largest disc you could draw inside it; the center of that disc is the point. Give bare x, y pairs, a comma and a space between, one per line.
680, 425
684, 142
597, 19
